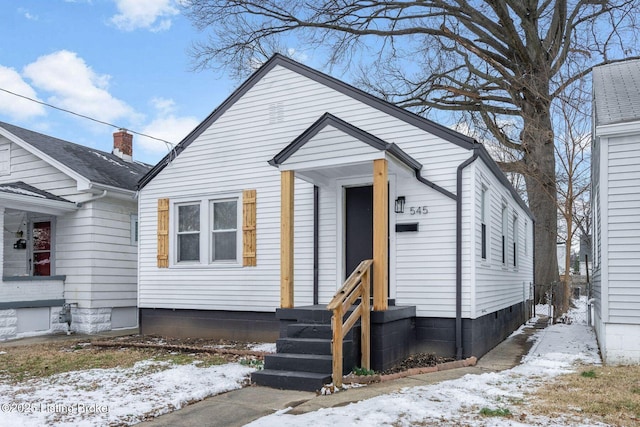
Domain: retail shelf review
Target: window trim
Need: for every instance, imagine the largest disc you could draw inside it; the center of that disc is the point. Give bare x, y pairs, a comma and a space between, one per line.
206, 225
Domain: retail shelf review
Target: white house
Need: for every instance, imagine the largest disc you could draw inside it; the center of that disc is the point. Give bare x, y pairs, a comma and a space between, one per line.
69, 221
329, 165
615, 179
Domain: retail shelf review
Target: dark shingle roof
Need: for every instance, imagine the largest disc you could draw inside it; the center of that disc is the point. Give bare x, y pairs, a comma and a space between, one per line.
20, 187
97, 166
616, 89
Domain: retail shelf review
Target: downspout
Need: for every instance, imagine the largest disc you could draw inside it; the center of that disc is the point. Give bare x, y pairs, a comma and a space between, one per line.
91, 199
459, 250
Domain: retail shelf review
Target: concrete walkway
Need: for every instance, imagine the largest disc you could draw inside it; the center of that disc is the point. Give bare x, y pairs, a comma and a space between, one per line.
242, 406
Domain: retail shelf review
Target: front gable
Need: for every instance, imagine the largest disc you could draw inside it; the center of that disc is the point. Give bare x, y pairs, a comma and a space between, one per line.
8, 139
279, 61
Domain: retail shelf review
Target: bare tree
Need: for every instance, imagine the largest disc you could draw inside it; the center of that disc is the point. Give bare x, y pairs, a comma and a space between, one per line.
573, 155
501, 62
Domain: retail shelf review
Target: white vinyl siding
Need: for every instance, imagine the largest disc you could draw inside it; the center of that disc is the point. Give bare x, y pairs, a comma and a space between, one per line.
5, 158
499, 285
623, 229
94, 251
232, 154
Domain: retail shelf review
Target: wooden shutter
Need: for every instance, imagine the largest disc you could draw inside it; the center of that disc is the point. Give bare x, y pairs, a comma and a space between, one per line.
249, 228
163, 233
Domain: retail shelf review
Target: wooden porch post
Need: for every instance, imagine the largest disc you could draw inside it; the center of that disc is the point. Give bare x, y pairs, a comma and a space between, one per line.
380, 234
286, 238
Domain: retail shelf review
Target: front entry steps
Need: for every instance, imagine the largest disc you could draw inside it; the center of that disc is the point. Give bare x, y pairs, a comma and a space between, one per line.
303, 359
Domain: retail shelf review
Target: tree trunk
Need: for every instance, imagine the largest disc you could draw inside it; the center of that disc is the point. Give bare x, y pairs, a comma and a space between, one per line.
539, 159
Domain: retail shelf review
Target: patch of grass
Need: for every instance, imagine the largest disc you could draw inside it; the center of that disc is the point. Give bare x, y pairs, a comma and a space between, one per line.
253, 363
498, 412
611, 395
363, 371
588, 374
21, 363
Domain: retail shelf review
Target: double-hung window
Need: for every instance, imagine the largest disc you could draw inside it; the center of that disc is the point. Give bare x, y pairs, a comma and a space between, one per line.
188, 232
206, 232
224, 230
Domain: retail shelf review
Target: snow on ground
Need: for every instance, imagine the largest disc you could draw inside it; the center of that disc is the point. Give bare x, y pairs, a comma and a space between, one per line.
119, 396
556, 351
267, 347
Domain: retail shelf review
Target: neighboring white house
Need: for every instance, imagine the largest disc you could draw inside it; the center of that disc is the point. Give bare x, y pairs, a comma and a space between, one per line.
206, 269
69, 221
616, 210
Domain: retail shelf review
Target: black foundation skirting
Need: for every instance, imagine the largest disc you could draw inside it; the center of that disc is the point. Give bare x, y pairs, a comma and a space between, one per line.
230, 325
437, 335
395, 333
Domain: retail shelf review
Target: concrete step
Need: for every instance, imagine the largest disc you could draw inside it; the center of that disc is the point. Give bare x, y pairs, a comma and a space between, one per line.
309, 330
290, 380
320, 363
309, 346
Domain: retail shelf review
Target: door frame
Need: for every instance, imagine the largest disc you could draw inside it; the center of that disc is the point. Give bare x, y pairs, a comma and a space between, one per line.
33, 218
360, 181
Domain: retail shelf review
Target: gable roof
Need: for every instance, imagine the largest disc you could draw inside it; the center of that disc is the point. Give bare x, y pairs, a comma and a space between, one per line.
96, 166
616, 92
420, 122
338, 85
328, 119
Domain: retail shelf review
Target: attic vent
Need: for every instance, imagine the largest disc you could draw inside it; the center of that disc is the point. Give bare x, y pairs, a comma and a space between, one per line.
276, 112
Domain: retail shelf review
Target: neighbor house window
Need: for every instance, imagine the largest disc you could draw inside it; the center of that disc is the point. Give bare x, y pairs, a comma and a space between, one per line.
483, 222
188, 233
134, 229
504, 233
224, 230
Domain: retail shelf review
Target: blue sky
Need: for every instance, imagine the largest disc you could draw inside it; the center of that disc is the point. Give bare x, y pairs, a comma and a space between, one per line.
120, 61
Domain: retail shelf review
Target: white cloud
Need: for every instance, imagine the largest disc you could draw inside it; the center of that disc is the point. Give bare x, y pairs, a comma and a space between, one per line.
152, 15
13, 106
170, 128
76, 87
166, 125
27, 14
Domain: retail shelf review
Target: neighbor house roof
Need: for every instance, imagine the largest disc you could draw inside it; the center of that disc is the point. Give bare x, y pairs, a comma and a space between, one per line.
24, 189
97, 166
616, 91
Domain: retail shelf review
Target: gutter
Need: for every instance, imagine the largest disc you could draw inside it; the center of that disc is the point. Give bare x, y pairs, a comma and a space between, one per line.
458, 199
91, 199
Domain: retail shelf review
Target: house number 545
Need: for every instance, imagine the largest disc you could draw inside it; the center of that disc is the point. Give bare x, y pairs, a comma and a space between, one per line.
418, 210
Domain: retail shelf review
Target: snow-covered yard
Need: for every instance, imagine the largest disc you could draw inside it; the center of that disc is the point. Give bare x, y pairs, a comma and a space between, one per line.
558, 349
122, 396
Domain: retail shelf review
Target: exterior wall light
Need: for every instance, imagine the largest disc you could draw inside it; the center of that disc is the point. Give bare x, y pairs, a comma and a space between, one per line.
400, 204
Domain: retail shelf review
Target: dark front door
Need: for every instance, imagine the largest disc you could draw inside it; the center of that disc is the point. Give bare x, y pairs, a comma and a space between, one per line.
358, 226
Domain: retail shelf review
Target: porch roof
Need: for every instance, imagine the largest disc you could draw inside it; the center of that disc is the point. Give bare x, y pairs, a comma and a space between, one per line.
21, 196
331, 143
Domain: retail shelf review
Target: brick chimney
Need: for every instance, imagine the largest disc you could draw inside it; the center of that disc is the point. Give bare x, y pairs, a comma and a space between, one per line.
123, 145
